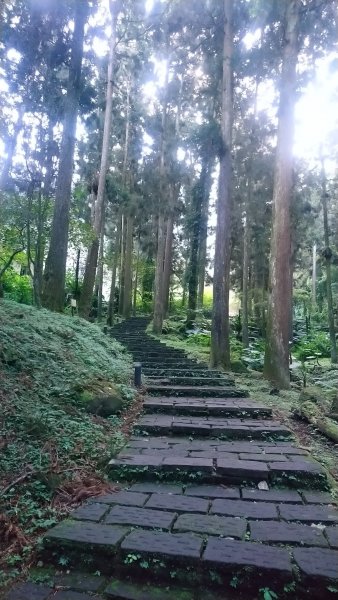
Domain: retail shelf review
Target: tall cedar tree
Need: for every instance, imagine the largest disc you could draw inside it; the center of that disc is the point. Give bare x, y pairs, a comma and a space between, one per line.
93, 252
53, 295
220, 344
276, 366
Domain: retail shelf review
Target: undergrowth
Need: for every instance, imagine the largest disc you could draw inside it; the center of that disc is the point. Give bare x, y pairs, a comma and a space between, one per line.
52, 453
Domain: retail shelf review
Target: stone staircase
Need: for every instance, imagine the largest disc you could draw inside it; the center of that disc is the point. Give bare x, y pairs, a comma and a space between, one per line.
216, 500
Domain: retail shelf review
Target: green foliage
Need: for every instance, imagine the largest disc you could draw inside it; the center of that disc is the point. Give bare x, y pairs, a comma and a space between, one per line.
46, 361
268, 594
317, 344
17, 287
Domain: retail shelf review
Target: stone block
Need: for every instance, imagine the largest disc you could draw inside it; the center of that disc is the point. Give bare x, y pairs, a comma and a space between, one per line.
317, 562
212, 525
140, 517
178, 503
240, 508
179, 545
286, 533
235, 554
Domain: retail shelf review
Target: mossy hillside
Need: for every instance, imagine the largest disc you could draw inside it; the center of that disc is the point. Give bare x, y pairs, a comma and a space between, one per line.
51, 450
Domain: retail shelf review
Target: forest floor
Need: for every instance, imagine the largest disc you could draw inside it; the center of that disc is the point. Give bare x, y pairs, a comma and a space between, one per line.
53, 453
284, 403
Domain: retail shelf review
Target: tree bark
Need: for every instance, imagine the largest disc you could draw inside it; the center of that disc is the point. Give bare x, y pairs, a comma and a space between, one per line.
159, 270
328, 260
136, 278
276, 365
220, 343
168, 262
127, 302
110, 315
91, 263
100, 275
314, 277
55, 269
203, 237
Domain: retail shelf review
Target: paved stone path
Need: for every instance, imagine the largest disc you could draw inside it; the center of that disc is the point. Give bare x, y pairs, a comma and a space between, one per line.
216, 501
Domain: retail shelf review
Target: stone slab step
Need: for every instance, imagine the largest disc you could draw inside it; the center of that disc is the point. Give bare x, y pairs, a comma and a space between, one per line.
225, 468
190, 381
195, 391
160, 372
229, 428
201, 532
186, 364
200, 406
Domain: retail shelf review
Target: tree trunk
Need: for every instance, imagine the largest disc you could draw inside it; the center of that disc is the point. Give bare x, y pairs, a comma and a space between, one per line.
245, 281
167, 263
122, 263
276, 366
220, 343
55, 268
136, 278
314, 277
110, 315
203, 237
328, 259
158, 292
128, 265
100, 275
91, 264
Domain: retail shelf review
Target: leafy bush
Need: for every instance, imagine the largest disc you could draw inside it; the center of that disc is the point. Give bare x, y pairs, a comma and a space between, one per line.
316, 344
17, 287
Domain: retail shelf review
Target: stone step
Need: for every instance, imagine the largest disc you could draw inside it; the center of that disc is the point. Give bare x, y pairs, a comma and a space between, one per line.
161, 365
190, 381
213, 406
225, 428
279, 540
194, 391
161, 372
218, 467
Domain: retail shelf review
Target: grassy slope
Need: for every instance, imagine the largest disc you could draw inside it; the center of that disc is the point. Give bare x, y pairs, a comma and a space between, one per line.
52, 453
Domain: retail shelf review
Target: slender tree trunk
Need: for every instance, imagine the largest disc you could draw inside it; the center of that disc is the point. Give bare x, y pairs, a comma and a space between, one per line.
122, 263
314, 277
100, 275
276, 366
77, 271
245, 282
168, 262
328, 260
136, 278
110, 315
158, 292
55, 269
203, 237
128, 267
220, 342
91, 264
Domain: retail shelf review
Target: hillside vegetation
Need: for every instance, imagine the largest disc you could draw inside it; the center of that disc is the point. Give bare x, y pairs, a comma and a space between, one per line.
52, 452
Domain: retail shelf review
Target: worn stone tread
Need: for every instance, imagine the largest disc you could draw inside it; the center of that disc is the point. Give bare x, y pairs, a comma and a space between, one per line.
178, 503
184, 545
232, 554
240, 508
332, 535
317, 562
212, 491
29, 591
80, 582
90, 512
212, 525
308, 514
156, 488
315, 497
85, 532
140, 517
127, 498
271, 495
286, 533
